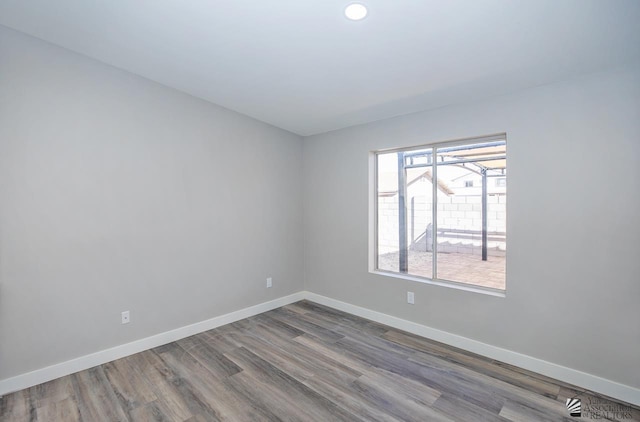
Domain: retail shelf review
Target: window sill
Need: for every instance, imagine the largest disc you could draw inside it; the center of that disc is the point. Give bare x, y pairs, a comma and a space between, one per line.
450, 284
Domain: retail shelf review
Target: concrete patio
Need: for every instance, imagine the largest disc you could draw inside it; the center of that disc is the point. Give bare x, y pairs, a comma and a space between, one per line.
459, 267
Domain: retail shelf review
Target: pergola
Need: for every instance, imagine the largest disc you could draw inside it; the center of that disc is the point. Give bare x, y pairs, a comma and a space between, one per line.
487, 159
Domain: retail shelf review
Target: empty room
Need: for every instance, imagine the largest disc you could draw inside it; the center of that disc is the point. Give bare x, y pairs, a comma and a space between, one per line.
297, 210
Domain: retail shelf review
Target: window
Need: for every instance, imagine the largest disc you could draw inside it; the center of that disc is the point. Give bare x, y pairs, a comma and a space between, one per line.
439, 215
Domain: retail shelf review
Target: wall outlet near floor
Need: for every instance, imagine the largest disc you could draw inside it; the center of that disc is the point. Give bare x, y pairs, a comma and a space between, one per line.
411, 299
269, 282
125, 317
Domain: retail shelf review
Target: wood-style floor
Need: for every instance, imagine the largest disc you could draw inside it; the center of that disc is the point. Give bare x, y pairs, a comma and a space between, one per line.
301, 362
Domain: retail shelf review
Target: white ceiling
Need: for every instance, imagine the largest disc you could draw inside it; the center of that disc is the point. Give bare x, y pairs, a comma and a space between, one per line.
302, 66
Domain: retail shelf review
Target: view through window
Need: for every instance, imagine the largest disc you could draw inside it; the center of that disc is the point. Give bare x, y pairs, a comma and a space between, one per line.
441, 212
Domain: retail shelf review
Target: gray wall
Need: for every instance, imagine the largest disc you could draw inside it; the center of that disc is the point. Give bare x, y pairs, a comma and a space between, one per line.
573, 282
117, 194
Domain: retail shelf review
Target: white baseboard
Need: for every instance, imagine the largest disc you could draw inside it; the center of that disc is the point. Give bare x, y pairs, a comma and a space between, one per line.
571, 376
52, 372
587, 381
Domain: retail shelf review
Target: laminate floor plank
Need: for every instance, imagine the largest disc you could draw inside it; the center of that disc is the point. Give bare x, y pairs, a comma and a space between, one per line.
397, 404
166, 385
186, 374
347, 329
497, 387
278, 328
411, 389
196, 418
531, 374
434, 378
336, 317
305, 362
298, 321
209, 356
518, 412
154, 411
296, 307
51, 392
218, 339
213, 396
286, 397
464, 359
493, 375
306, 358
336, 354
296, 368
95, 397
462, 410
430, 346
18, 406
130, 388
61, 410
348, 399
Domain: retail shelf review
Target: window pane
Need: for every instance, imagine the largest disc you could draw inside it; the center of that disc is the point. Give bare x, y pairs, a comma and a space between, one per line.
405, 212
388, 238
419, 206
471, 249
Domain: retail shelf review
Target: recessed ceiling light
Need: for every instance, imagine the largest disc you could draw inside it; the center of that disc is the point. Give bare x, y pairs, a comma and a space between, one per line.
355, 11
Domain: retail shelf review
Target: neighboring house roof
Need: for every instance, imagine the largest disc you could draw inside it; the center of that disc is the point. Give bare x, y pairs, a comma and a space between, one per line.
388, 181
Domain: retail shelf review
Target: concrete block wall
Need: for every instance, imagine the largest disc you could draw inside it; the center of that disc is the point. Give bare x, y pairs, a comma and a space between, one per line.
462, 212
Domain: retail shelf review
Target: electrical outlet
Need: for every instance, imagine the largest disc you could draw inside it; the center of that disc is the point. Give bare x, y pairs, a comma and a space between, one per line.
411, 299
269, 282
125, 317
